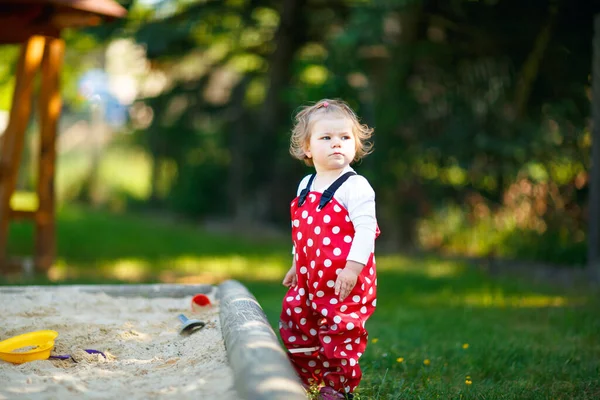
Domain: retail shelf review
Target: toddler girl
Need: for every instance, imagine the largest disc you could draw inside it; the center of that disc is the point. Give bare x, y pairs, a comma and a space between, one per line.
332, 281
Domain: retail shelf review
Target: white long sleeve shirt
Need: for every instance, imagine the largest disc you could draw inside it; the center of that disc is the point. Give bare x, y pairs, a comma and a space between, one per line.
358, 197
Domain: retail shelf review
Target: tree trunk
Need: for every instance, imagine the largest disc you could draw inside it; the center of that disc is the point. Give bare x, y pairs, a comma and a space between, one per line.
289, 38
594, 200
532, 64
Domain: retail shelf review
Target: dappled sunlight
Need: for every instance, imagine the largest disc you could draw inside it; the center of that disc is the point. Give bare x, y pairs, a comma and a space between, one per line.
182, 269
22, 200
496, 298
130, 270
434, 269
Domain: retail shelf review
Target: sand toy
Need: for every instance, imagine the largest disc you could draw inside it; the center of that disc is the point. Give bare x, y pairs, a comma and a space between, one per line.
28, 347
190, 325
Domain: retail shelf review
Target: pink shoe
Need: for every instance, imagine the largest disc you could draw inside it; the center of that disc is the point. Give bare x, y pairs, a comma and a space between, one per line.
329, 393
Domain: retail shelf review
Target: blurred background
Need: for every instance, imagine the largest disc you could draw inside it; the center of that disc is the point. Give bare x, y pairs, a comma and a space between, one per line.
481, 110
173, 167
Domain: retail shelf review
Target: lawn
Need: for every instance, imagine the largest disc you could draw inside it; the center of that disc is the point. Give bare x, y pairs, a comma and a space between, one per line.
442, 329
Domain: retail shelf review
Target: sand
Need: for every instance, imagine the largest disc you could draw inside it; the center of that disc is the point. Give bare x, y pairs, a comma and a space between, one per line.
146, 358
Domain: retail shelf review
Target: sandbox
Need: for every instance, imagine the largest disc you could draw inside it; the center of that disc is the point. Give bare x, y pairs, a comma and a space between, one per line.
235, 356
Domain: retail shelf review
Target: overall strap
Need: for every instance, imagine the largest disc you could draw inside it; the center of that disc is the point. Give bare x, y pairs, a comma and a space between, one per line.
305, 191
330, 191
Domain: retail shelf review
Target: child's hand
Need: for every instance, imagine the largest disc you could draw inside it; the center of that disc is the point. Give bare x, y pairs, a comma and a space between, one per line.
346, 280
291, 279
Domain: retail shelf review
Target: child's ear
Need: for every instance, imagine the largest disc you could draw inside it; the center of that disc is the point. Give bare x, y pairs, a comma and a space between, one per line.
307, 151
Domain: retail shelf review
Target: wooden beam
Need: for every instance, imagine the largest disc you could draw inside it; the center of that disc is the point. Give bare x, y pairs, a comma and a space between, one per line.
50, 107
12, 146
22, 214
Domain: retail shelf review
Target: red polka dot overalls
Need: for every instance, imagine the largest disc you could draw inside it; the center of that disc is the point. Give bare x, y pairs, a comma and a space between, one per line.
325, 337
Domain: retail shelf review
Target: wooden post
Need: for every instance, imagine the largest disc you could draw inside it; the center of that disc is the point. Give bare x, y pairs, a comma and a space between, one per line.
49, 111
594, 200
12, 145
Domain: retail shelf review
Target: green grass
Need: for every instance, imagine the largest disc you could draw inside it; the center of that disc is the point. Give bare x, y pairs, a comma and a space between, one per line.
438, 325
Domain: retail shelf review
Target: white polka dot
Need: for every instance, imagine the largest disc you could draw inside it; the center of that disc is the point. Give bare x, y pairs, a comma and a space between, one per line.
326, 364
309, 220
320, 273
312, 198
337, 251
324, 312
289, 298
337, 271
374, 303
343, 353
337, 319
296, 223
318, 252
357, 341
333, 327
327, 263
349, 347
314, 306
312, 264
363, 309
297, 310
349, 326
288, 311
347, 218
333, 301
304, 214
302, 321
314, 363
320, 293
336, 230
371, 271
313, 332
304, 249
356, 298
337, 208
368, 280
303, 270
347, 239
298, 297
326, 241
326, 339
343, 308
296, 256
327, 219
292, 339
342, 379
370, 290
364, 300
309, 242
301, 291
354, 315
317, 230
344, 362
352, 362
330, 283
315, 284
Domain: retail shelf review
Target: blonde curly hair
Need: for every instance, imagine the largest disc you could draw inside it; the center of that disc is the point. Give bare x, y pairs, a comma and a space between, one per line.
306, 117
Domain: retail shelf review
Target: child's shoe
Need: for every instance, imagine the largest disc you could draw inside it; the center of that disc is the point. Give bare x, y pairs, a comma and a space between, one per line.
329, 393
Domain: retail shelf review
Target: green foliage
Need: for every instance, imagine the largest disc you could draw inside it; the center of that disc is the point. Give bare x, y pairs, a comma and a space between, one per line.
441, 83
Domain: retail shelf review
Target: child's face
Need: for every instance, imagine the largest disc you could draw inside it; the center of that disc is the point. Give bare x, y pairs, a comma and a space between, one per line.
332, 145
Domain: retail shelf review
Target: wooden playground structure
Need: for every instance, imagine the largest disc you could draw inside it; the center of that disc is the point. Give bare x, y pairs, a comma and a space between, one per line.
37, 25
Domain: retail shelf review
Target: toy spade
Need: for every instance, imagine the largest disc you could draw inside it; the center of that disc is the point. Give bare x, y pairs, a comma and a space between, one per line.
190, 325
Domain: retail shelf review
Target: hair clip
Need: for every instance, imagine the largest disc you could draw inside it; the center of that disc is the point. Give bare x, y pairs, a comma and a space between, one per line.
325, 104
